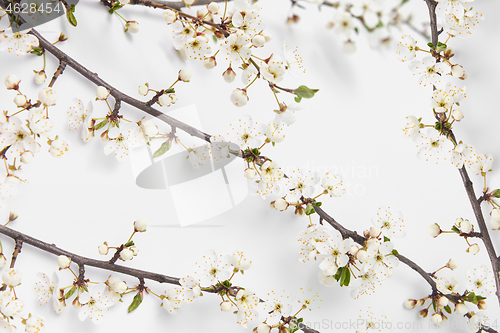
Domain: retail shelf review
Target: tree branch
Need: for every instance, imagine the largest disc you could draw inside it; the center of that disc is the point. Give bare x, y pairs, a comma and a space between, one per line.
81, 261
118, 95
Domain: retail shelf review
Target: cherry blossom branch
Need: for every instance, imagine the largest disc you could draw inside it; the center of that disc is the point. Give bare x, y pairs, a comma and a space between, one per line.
174, 6
84, 261
118, 95
81, 261
469, 188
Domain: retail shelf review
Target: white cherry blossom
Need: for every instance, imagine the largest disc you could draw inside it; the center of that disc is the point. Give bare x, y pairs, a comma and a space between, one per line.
95, 303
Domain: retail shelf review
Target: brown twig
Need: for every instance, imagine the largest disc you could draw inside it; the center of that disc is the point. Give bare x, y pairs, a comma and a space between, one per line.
17, 250
59, 71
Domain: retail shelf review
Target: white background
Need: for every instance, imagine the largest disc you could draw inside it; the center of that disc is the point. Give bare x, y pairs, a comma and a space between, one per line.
353, 125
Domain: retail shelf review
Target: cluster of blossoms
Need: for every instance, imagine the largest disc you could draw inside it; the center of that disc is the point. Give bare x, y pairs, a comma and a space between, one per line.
91, 303
12, 308
128, 250
340, 258
462, 227
23, 131
479, 286
381, 20
120, 135
216, 272
238, 34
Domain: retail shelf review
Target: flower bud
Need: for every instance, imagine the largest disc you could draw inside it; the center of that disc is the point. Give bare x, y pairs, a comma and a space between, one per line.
250, 173
47, 96
263, 328
11, 277
140, 225
461, 309
132, 27
188, 2
229, 75
258, 40
423, 313
410, 304
434, 230
436, 318
126, 254
354, 250
213, 8
143, 90
169, 16
209, 62
226, 306
457, 70
474, 249
102, 93
452, 264
63, 262
120, 287
164, 100
374, 231
185, 75
134, 249
103, 249
12, 82
267, 36
481, 305
466, 226
281, 204
20, 100
239, 97
443, 301
40, 77
26, 157
457, 114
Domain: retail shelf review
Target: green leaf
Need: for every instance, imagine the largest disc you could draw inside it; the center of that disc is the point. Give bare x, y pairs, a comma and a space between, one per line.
395, 252
100, 125
128, 244
169, 91
165, 146
386, 239
69, 293
496, 193
70, 16
447, 309
310, 209
430, 45
135, 302
227, 284
437, 126
345, 277
434, 306
318, 204
339, 271
298, 99
37, 51
255, 151
305, 92
455, 229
